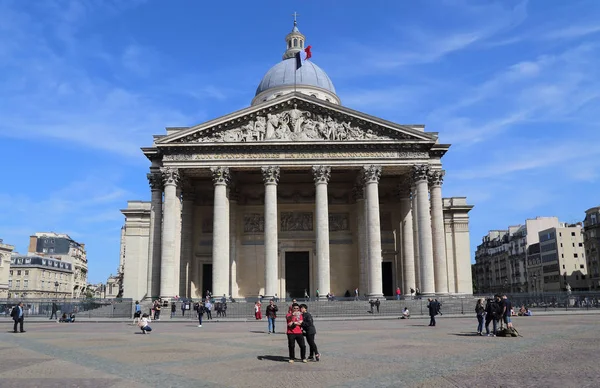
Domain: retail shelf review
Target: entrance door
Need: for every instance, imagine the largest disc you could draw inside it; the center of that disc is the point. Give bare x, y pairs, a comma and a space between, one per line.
206, 279
387, 278
297, 274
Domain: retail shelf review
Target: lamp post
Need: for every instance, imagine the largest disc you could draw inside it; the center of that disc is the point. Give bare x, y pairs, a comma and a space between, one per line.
56, 284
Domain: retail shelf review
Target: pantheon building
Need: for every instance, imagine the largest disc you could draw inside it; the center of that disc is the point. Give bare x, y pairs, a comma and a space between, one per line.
295, 192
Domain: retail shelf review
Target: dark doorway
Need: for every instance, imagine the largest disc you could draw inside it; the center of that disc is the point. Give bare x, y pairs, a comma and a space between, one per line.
297, 274
206, 278
387, 270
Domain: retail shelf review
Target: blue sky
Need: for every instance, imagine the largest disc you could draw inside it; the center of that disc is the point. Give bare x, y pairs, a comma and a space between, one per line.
513, 85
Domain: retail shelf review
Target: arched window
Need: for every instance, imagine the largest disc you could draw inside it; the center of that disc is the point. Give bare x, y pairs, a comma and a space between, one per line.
295, 42
290, 43
301, 43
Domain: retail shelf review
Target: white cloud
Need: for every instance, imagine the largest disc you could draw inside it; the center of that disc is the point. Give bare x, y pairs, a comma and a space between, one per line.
572, 32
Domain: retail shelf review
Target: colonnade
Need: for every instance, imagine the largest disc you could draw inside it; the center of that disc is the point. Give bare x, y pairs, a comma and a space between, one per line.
423, 249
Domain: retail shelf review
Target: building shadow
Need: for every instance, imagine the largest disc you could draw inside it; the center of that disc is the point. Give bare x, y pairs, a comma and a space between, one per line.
273, 358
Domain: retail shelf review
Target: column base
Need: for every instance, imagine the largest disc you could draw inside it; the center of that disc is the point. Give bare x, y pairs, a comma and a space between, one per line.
374, 296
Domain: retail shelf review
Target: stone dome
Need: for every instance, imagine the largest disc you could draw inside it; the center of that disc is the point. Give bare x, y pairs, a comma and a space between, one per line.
283, 78
282, 74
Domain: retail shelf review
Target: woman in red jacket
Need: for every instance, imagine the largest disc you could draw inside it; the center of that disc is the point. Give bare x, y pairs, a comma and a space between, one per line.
294, 333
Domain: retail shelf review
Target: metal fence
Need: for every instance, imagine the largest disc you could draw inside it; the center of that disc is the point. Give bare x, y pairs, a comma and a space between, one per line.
86, 308
579, 300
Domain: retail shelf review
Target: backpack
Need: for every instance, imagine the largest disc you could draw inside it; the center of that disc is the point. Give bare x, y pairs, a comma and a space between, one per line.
507, 332
493, 308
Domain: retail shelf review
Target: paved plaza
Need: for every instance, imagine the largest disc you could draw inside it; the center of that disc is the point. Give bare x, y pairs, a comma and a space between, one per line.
555, 351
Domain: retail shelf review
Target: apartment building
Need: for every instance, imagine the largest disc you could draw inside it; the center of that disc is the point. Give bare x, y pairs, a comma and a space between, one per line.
39, 277
591, 243
504, 258
61, 246
563, 259
5, 253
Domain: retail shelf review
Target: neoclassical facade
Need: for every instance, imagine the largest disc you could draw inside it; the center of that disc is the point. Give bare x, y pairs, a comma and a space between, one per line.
294, 193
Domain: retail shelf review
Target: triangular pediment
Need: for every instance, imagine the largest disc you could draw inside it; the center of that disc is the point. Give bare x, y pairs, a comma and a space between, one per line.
295, 118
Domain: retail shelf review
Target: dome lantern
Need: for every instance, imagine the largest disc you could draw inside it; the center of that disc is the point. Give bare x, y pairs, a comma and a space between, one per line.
294, 41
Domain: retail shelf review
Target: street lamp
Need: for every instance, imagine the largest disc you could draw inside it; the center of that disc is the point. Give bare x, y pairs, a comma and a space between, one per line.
56, 284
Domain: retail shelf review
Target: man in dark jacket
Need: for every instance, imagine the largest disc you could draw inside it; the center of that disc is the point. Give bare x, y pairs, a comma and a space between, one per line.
493, 314
54, 311
433, 311
310, 331
18, 314
271, 313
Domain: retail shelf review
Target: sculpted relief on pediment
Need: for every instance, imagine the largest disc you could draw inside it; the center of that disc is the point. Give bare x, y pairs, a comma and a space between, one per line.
292, 125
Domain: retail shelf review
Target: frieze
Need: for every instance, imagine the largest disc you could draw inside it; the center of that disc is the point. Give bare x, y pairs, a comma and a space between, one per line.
254, 223
296, 221
296, 155
339, 222
291, 125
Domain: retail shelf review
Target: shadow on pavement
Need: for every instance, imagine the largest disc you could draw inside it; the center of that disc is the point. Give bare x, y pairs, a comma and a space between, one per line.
465, 334
273, 358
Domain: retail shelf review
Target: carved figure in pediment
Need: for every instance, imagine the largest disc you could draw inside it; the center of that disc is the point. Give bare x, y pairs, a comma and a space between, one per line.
283, 131
310, 129
296, 119
272, 124
260, 127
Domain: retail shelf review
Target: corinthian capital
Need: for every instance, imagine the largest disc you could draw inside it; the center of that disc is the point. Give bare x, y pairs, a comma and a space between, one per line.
155, 181
270, 174
220, 175
371, 174
170, 176
321, 174
436, 177
420, 172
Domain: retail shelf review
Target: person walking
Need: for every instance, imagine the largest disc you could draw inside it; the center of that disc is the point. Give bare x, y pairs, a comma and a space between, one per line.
18, 315
182, 309
174, 308
480, 311
433, 310
310, 331
398, 293
257, 312
356, 293
200, 312
54, 311
294, 333
271, 313
157, 307
377, 303
306, 297
137, 313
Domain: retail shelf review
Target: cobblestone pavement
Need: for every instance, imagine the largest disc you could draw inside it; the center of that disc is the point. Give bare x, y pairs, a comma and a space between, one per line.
555, 351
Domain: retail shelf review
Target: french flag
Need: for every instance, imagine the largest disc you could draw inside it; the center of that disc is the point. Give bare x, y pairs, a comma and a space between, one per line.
302, 56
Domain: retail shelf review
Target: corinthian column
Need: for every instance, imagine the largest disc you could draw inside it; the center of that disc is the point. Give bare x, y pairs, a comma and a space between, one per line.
233, 201
371, 175
154, 243
437, 229
187, 232
363, 253
413, 201
408, 252
321, 175
271, 177
420, 175
171, 217
220, 247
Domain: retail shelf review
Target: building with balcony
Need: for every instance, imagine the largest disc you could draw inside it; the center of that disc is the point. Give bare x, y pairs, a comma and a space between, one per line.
61, 246
591, 243
5, 252
39, 277
507, 259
